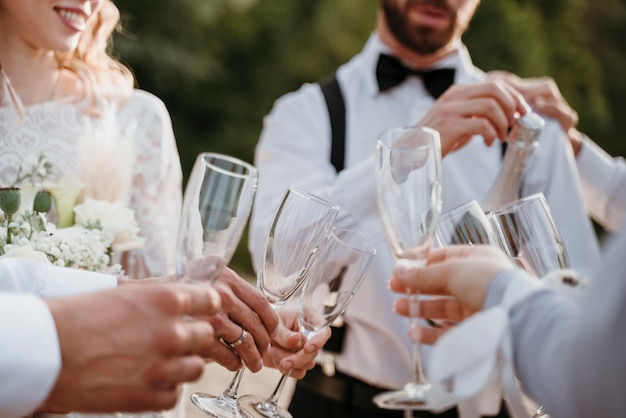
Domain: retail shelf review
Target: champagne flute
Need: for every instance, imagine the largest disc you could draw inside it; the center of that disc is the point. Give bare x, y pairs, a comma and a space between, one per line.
216, 207
465, 224
326, 294
527, 233
300, 228
408, 185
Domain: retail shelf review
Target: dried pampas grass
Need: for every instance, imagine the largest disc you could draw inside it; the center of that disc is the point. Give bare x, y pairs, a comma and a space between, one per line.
105, 160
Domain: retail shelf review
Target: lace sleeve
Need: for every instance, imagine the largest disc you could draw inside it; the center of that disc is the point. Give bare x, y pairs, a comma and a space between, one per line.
156, 191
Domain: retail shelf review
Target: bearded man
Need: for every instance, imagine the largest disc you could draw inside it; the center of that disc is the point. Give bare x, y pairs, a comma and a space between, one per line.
329, 151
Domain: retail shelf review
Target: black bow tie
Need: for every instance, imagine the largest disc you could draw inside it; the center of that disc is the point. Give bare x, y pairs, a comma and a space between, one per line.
390, 72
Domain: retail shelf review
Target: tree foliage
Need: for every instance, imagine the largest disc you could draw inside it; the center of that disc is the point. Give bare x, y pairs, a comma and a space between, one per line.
219, 64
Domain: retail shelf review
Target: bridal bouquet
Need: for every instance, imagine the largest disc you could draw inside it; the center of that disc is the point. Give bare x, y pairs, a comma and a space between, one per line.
84, 235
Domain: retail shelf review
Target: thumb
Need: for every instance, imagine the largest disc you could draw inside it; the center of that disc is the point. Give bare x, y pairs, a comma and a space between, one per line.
288, 339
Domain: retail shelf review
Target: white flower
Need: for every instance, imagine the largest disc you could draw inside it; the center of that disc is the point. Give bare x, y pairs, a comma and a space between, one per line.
115, 218
28, 252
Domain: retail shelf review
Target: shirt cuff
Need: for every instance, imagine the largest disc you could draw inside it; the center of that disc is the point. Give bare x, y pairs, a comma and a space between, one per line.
517, 279
30, 355
66, 281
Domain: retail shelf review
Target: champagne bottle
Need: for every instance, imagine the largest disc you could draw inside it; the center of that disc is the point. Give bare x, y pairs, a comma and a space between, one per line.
522, 142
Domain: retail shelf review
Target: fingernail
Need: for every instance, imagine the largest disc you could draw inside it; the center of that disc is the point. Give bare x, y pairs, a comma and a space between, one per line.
267, 350
286, 365
310, 348
259, 365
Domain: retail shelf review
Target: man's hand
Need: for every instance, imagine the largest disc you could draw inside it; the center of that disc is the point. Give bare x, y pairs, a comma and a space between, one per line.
128, 349
465, 110
460, 274
243, 307
544, 96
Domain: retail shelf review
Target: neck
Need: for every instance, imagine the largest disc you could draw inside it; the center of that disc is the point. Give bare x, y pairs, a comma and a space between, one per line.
33, 76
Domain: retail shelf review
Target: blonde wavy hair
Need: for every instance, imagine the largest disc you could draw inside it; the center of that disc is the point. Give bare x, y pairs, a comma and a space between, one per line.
92, 61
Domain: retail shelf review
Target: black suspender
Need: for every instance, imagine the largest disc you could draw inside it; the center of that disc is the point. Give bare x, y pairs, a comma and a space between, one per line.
337, 113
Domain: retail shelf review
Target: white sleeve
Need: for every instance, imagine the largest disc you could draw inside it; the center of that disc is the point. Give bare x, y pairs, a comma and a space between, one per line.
30, 356
65, 281
19, 275
603, 180
156, 192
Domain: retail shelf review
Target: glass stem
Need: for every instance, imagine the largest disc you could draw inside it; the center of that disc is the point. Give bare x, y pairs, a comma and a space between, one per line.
233, 386
414, 307
279, 388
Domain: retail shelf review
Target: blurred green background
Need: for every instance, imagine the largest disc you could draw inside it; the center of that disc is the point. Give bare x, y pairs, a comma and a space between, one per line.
219, 64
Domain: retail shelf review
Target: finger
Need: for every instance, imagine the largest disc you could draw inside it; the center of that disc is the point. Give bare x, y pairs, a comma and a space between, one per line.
183, 336
566, 116
431, 280
429, 335
174, 370
483, 116
293, 361
224, 356
251, 297
198, 336
199, 299
459, 131
520, 102
231, 335
313, 345
508, 99
284, 337
136, 400
441, 308
245, 305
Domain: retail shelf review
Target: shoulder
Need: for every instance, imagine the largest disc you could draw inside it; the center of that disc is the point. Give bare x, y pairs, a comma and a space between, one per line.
145, 102
306, 103
147, 111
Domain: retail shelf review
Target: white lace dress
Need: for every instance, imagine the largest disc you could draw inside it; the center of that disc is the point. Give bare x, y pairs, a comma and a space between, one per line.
129, 151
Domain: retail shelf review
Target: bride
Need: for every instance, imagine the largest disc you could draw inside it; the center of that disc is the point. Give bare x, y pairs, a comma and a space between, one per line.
64, 97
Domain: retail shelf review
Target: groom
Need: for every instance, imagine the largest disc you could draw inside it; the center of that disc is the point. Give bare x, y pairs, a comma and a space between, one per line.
389, 84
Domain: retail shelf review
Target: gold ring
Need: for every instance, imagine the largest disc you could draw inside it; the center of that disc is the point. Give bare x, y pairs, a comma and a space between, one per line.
239, 341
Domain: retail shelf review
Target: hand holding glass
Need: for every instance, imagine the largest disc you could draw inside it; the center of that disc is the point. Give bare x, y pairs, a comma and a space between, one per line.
300, 228
331, 284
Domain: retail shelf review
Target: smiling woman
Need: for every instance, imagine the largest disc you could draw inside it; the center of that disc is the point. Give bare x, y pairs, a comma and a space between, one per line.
65, 97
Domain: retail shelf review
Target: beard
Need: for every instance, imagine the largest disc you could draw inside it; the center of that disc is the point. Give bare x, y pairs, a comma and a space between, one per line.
421, 40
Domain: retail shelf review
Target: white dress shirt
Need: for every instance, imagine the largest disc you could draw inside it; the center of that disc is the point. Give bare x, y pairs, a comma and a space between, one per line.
603, 180
30, 355
294, 149
569, 356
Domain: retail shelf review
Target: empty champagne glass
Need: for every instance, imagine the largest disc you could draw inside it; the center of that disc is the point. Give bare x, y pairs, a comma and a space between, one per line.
527, 233
465, 224
408, 185
216, 207
300, 228
326, 294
